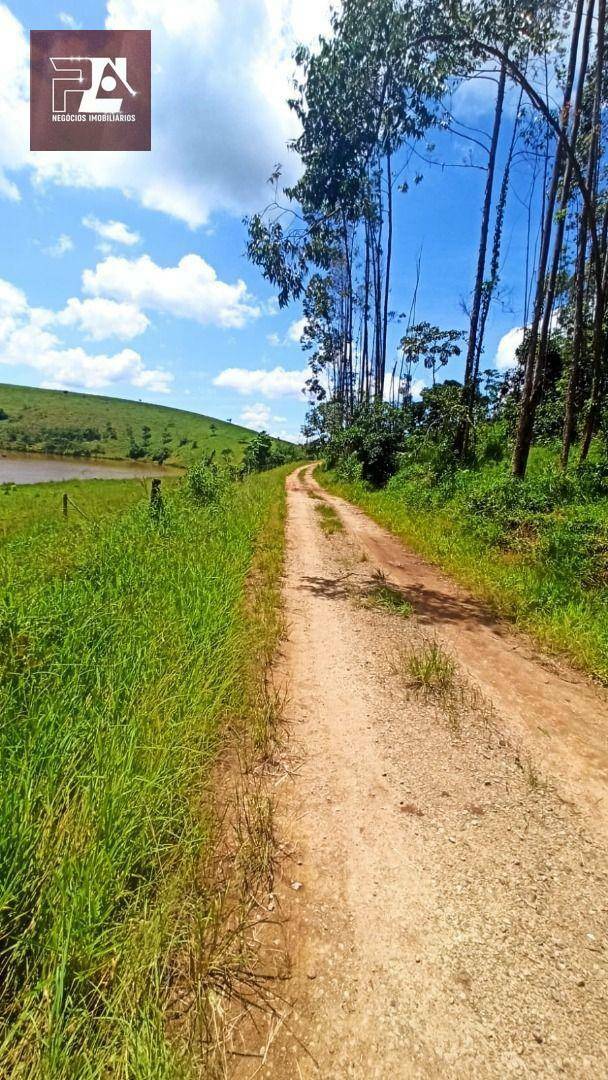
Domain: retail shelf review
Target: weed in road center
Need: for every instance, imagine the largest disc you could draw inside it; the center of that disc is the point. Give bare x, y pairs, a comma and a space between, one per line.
431, 669
328, 519
536, 783
389, 599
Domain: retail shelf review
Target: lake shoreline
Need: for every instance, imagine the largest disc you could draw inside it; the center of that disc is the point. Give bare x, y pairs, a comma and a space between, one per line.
38, 468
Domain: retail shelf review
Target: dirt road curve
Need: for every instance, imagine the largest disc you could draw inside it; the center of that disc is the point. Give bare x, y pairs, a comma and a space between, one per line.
445, 896
552, 710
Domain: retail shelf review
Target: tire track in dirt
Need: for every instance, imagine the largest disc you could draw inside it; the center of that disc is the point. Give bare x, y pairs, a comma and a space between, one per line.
556, 713
445, 909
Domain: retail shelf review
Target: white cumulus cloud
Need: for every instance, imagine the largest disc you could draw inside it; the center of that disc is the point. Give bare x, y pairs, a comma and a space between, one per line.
14, 98
256, 416
508, 345
271, 384
25, 338
62, 245
112, 231
260, 417
12, 300
190, 290
295, 331
99, 318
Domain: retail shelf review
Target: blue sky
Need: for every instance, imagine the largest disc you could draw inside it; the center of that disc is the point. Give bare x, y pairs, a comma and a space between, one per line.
125, 274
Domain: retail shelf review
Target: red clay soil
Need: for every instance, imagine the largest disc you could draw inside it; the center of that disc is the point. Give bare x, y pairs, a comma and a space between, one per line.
445, 882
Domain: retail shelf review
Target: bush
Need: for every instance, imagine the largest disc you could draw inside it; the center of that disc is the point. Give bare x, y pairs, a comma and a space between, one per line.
591, 479
349, 469
374, 437
161, 456
205, 483
261, 454
492, 442
576, 551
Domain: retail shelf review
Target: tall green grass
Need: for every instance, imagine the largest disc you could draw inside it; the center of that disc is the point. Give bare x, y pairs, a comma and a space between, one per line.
536, 551
122, 648
32, 510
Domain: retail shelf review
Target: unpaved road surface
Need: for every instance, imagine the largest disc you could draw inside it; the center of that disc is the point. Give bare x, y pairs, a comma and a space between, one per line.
444, 888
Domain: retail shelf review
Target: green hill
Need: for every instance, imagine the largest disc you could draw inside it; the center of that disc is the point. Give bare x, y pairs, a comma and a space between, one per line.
61, 422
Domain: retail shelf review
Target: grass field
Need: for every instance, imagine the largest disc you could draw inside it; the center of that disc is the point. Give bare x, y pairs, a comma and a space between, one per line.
57, 421
536, 551
33, 510
126, 644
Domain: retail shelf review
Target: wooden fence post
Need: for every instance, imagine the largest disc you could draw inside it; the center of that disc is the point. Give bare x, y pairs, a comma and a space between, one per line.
65, 504
156, 500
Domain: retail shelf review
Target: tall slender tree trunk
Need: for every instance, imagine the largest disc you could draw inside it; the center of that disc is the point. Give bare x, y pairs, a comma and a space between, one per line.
364, 391
496, 246
377, 269
597, 379
577, 341
560, 225
533, 370
387, 279
348, 324
468, 390
378, 292
578, 336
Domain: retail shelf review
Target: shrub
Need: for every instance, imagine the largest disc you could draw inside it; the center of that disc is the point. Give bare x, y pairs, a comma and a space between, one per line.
160, 456
576, 551
261, 453
492, 442
375, 437
349, 469
205, 483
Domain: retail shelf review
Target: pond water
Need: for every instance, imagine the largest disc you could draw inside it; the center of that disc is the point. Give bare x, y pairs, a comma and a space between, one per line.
42, 468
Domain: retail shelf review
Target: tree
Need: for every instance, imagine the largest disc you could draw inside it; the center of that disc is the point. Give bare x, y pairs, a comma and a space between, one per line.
375, 436
368, 100
258, 453
360, 97
474, 343
431, 345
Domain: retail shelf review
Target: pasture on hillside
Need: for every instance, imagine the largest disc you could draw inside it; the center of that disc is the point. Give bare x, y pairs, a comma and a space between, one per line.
62, 422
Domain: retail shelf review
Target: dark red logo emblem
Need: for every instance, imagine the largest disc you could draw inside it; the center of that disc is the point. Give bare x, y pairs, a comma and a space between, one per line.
90, 90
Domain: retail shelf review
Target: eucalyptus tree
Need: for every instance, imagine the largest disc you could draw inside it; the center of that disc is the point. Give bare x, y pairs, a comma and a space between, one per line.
474, 344
590, 137
567, 168
359, 97
365, 99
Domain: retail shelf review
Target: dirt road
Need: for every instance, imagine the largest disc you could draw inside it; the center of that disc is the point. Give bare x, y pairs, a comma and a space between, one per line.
446, 883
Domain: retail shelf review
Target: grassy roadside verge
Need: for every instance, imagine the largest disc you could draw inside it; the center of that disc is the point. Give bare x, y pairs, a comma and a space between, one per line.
35, 509
547, 574
125, 647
